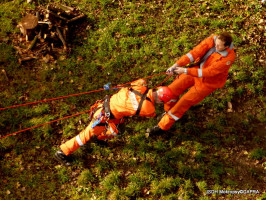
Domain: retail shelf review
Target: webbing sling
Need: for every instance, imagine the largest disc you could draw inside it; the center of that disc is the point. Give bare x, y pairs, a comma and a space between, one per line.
143, 97
106, 106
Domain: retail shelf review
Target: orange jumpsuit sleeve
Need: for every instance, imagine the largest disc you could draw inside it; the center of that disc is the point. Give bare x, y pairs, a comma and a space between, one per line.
197, 52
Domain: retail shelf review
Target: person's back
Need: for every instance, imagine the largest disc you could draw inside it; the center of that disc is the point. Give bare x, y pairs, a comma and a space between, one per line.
126, 101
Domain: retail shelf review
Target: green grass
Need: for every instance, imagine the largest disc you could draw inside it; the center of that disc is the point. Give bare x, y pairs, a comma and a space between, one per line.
124, 41
258, 154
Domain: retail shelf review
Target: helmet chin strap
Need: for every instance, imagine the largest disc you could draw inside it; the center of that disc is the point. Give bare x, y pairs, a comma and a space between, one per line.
156, 98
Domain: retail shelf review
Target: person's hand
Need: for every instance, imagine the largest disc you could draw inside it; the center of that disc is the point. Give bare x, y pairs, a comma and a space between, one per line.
170, 70
180, 70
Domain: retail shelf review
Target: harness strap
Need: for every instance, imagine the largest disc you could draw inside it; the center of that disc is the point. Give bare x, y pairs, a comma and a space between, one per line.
106, 106
143, 97
106, 103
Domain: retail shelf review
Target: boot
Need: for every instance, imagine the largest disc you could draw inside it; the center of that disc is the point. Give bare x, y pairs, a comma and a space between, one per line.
62, 158
160, 116
156, 130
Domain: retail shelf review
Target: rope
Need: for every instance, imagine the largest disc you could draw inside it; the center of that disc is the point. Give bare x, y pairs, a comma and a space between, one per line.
45, 100
43, 124
162, 81
72, 95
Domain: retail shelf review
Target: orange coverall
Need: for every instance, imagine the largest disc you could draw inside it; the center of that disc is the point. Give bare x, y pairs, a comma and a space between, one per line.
210, 74
124, 103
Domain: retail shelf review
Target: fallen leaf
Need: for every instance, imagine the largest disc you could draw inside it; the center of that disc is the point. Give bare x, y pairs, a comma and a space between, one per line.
230, 106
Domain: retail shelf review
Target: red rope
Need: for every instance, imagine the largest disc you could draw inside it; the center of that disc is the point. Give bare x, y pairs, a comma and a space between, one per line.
163, 81
45, 100
72, 95
44, 124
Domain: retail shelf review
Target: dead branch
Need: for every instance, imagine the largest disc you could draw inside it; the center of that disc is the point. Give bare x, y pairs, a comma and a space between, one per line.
20, 60
58, 16
33, 43
66, 8
59, 8
41, 22
76, 18
18, 49
61, 37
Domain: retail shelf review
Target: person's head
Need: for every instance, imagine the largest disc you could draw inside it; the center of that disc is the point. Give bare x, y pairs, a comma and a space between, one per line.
223, 41
163, 95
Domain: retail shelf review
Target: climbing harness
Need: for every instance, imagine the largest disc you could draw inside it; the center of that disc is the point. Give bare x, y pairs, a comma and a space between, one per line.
143, 97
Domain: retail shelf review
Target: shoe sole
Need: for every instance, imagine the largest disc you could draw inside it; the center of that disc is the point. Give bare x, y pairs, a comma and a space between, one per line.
61, 161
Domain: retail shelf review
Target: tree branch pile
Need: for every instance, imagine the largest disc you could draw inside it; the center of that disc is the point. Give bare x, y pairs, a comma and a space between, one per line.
47, 33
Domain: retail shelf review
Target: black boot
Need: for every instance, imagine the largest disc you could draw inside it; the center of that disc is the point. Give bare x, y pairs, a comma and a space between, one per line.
156, 130
160, 116
62, 158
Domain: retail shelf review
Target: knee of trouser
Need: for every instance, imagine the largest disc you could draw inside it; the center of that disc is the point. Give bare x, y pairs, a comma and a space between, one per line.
168, 106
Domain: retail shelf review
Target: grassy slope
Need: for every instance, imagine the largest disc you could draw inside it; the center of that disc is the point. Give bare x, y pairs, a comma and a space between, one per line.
209, 148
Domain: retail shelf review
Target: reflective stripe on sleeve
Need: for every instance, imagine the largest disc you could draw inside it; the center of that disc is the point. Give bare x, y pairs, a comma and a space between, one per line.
79, 140
173, 116
200, 73
133, 100
190, 57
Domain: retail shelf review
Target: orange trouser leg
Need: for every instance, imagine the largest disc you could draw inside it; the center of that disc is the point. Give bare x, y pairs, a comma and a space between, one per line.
195, 94
83, 137
180, 84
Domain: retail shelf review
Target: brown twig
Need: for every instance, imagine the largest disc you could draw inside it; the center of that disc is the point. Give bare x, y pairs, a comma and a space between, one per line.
18, 49
61, 37
33, 43
58, 16
26, 59
76, 18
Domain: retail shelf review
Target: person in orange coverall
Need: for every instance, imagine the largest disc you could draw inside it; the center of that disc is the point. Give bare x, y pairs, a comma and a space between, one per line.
106, 114
211, 60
